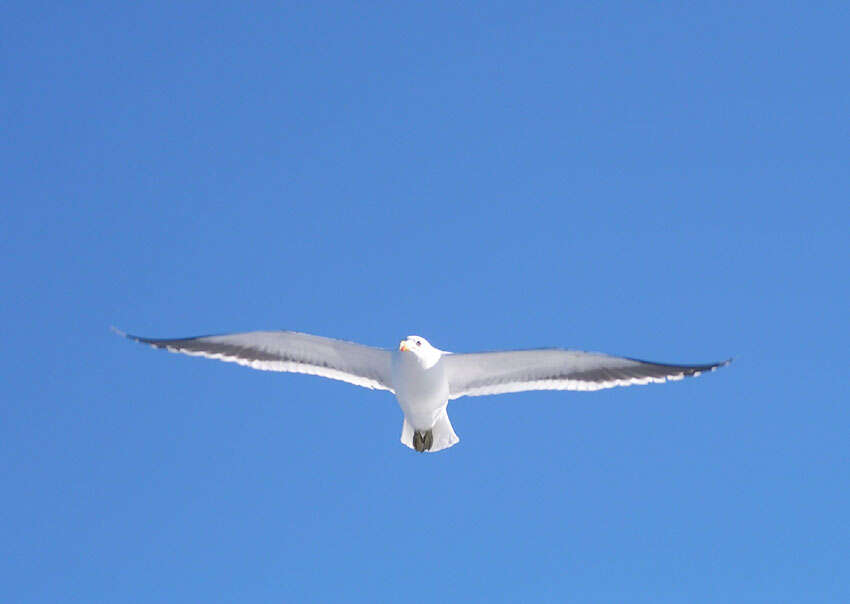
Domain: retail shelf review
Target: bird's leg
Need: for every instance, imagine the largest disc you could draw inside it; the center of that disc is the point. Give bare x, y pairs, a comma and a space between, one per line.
422, 441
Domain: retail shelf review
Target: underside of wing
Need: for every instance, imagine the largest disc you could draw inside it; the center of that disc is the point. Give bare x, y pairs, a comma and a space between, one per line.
555, 369
291, 352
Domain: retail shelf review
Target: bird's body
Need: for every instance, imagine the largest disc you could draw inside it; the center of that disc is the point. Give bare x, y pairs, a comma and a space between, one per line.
422, 392
423, 378
421, 387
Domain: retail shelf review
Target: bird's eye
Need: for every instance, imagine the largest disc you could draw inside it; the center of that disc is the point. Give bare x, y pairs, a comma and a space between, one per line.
418, 342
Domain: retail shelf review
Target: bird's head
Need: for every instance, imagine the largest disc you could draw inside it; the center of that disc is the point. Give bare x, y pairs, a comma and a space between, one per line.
422, 349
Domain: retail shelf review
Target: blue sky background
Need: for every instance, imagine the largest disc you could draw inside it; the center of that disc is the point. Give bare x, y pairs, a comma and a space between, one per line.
669, 183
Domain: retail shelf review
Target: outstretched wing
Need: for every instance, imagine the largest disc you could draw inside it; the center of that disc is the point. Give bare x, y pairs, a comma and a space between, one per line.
290, 351
555, 369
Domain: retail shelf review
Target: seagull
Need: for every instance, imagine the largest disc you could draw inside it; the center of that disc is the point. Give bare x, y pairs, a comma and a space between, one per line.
424, 378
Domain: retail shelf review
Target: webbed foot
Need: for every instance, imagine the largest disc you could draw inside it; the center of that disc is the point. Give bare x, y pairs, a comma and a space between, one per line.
422, 441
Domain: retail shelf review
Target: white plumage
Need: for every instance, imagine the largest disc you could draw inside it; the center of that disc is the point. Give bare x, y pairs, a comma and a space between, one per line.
424, 378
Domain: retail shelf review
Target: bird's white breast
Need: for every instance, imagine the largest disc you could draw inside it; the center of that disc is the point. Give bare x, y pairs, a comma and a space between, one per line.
422, 393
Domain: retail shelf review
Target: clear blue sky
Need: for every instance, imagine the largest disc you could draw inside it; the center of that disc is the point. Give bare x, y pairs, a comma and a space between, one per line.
669, 183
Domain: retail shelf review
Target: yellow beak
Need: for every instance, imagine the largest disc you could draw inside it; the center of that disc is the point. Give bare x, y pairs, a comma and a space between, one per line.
403, 346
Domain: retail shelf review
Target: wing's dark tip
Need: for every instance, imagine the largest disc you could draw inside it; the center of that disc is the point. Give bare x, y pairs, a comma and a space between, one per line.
129, 336
702, 367
150, 342
698, 369
718, 365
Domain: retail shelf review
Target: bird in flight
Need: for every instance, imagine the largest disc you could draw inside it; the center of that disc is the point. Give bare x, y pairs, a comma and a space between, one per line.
424, 378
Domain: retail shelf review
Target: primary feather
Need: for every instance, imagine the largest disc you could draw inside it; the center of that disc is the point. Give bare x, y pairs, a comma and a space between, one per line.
555, 369
290, 351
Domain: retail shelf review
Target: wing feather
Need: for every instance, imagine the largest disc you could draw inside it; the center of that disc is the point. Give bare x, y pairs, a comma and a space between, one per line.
555, 369
291, 352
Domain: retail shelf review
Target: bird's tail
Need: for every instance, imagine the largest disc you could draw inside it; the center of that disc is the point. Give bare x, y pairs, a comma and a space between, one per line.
441, 436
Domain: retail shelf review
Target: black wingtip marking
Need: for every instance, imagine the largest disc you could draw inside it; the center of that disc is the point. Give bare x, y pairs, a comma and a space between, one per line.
139, 339
687, 369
